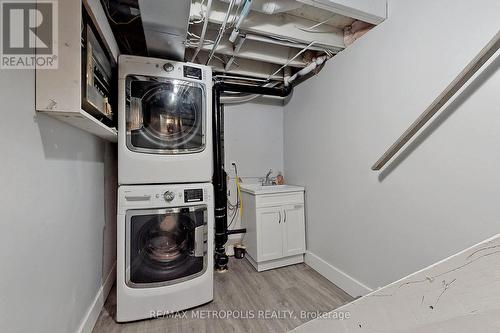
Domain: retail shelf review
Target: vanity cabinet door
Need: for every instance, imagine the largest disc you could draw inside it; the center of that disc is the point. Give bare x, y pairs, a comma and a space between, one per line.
269, 233
294, 241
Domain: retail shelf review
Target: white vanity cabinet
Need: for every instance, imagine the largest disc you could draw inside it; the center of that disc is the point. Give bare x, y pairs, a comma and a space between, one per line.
275, 223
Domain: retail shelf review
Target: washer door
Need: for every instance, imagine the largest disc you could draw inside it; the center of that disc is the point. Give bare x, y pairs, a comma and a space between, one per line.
165, 246
165, 116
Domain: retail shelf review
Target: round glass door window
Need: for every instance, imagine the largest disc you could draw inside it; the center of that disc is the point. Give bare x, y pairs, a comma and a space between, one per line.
165, 116
161, 246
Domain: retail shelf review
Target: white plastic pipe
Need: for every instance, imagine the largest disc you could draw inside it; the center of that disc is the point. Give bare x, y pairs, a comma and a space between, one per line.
238, 99
243, 14
244, 98
308, 69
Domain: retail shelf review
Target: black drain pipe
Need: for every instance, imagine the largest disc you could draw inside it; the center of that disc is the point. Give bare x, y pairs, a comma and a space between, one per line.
219, 178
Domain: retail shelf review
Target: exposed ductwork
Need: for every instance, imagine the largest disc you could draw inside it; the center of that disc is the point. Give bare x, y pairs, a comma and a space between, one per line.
271, 7
165, 26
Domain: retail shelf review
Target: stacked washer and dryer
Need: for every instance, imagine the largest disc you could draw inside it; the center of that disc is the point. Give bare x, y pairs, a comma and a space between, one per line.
165, 220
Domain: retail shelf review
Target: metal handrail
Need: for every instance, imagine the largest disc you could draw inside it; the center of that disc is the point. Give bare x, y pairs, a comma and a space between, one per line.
479, 60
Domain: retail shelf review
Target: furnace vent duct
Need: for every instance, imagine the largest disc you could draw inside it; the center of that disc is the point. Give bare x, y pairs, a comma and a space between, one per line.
271, 7
165, 24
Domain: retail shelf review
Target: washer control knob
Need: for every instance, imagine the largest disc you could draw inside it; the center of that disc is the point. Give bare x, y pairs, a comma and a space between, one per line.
168, 67
169, 196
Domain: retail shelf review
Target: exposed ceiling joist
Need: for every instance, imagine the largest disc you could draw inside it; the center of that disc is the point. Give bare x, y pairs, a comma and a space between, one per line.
242, 67
254, 50
299, 46
278, 25
371, 11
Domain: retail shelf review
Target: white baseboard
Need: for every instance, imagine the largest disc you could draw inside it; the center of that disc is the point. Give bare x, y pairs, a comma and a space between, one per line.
275, 263
93, 312
342, 280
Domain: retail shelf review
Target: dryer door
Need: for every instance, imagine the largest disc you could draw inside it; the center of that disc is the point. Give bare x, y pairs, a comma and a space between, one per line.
165, 246
165, 116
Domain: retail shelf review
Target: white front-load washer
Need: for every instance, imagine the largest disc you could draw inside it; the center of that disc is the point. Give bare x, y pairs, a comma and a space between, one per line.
164, 121
165, 238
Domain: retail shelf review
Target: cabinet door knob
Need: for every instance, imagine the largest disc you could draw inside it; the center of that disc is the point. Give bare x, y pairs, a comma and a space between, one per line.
280, 218
284, 212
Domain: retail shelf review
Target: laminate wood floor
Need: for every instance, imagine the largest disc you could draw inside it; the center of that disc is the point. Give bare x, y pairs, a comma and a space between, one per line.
242, 290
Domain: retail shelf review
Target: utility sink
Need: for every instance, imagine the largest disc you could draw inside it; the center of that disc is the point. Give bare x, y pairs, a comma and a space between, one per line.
256, 189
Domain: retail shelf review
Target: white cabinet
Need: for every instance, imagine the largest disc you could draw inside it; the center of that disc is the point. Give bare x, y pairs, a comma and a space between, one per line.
294, 240
269, 234
275, 225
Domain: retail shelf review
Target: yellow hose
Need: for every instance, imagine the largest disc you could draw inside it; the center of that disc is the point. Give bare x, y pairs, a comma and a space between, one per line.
239, 195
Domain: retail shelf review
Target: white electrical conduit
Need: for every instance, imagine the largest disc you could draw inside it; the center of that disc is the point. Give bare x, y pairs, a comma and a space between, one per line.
221, 32
203, 30
312, 29
308, 69
290, 60
243, 15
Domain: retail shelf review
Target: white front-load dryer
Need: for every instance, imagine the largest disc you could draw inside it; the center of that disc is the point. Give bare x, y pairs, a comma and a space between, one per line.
164, 121
165, 245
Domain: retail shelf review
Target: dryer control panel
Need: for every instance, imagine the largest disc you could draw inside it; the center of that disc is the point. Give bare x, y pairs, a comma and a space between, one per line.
192, 72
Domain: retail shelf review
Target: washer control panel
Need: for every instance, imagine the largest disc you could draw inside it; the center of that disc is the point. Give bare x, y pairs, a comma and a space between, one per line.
193, 195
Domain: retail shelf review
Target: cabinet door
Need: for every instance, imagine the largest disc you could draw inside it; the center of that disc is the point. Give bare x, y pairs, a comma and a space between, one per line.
269, 234
294, 240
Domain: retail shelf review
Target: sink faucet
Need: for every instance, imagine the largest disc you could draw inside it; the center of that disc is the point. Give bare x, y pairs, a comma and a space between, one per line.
267, 181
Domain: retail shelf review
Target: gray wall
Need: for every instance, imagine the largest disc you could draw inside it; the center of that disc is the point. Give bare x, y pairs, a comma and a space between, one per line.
254, 138
442, 194
253, 134
56, 245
